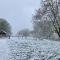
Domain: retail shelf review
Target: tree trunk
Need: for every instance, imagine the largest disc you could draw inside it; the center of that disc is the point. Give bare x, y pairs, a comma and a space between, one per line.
58, 33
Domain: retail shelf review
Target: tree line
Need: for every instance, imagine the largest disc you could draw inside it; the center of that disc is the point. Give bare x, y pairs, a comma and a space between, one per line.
46, 21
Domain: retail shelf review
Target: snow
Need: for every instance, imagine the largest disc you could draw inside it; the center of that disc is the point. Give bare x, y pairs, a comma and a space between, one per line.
3, 49
29, 49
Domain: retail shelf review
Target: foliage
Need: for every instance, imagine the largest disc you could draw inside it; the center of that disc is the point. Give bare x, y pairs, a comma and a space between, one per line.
5, 26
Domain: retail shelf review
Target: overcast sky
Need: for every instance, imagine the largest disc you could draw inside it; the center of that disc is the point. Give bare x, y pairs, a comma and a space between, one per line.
18, 12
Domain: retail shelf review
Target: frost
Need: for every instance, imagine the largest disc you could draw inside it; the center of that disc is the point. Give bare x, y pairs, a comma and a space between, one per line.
29, 49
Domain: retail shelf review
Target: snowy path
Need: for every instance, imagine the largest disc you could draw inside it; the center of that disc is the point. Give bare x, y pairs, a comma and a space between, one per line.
3, 49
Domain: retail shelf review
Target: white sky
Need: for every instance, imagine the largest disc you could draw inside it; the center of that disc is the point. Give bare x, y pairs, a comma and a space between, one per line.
18, 12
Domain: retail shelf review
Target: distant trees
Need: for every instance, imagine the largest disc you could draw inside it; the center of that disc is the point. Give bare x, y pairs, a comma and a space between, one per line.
27, 33
5, 26
23, 33
46, 20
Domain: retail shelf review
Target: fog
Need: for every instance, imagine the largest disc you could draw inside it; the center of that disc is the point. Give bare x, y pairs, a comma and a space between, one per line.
18, 12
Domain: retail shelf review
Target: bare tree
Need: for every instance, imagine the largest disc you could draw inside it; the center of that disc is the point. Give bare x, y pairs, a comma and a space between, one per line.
49, 14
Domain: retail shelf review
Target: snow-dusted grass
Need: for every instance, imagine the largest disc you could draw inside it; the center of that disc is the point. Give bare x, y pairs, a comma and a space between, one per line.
29, 49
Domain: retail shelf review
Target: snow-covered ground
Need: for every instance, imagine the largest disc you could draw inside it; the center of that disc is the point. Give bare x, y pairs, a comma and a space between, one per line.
29, 49
3, 49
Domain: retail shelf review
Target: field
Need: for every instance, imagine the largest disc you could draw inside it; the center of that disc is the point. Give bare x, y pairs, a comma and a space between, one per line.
29, 49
